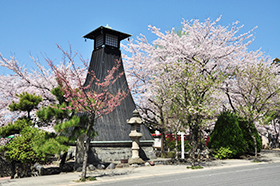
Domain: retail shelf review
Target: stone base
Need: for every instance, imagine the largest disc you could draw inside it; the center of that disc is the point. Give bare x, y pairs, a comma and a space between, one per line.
135, 161
99, 154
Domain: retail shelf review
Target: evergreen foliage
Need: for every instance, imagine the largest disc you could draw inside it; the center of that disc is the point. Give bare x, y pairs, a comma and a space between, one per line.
49, 143
56, 112
228, 134
21, 148
67, 124
14, 128
222, 153
243, 124
231, 132
27, 102
64, 123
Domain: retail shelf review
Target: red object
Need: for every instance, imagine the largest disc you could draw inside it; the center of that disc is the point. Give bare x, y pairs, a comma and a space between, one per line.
171, 137
207, 140
156, 135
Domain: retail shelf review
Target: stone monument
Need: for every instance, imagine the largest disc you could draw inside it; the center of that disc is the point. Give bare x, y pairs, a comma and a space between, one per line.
135, 135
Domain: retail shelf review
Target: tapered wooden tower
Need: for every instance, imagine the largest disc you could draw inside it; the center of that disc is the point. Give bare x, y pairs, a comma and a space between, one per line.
112, 129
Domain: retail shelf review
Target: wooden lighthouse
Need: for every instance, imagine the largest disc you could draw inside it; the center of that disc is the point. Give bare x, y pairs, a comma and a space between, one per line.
112, 142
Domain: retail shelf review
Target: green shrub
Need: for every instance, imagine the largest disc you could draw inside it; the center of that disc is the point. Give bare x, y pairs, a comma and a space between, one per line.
247, 137
228, 134
82, 179
231, 132
223, 153
21, 149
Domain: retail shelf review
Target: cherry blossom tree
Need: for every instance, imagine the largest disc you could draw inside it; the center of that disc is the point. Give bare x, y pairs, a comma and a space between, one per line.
252, 90
39, 81
204, 52
193, 99
92, 103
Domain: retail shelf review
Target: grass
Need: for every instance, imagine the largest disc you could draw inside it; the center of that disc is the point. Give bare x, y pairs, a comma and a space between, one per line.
195, 167
90, 178
256, 161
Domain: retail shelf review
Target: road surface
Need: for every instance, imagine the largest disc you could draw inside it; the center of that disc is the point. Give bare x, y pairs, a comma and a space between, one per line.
255, 175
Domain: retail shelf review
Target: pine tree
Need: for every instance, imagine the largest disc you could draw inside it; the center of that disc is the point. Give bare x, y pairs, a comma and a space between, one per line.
27, 102
20, 149
66, 124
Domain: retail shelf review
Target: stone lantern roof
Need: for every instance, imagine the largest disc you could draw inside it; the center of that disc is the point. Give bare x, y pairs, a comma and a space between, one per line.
135, 118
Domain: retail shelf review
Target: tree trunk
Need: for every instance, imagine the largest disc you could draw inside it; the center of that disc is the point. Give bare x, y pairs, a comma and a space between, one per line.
176, 145
87, 146
276, 140
163, 142
25, 170
62, 161
80, 151
162, 138
194, 131
255, 142
13, 169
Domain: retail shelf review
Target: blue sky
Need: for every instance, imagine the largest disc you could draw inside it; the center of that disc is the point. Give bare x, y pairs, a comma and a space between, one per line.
34, 27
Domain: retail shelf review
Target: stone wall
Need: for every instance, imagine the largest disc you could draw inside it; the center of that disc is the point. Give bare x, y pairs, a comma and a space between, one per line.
111, 154
115, 152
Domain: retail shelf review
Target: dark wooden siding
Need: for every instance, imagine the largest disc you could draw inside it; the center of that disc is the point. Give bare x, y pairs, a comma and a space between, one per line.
113, 127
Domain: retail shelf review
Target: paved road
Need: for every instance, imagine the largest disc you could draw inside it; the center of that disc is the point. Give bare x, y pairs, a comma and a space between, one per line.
218, 172
256, 175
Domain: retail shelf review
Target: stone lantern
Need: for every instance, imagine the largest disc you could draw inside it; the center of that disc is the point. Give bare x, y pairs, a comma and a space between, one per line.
135, 135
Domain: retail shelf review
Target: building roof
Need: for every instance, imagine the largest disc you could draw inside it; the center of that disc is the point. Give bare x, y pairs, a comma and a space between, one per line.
102, 30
